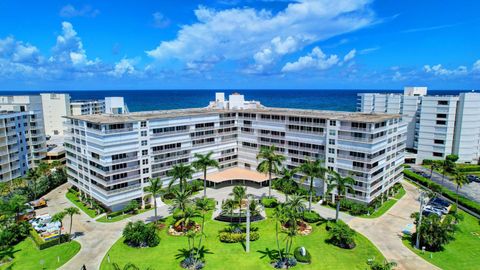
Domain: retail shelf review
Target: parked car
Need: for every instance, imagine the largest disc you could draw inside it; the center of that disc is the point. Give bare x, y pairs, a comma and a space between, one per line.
439, 201
428, 213
441, 209
27, 214
473, 178
48, 227
42, 219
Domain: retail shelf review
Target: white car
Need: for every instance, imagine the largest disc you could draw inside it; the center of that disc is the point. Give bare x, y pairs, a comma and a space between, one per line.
39, 220
48, 227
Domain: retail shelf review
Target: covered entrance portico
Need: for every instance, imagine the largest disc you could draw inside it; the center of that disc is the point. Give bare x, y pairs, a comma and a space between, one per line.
237, 176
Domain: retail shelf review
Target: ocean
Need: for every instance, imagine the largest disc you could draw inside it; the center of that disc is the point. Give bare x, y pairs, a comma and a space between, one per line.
144, 100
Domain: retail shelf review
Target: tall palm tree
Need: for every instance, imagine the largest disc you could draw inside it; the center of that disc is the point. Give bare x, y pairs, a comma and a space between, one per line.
459, 180
203, 205
342, 185
239, 193
445, 168
270, 163
433, 167
228, 206
181, 172
279, 215
187, 217
70, 211
181, 199
155, 189
297, 204
59, 217
312, 170
290, 234
286, 182
204, 162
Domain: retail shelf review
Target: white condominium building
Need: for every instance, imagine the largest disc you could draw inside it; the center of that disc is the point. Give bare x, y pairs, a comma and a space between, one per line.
55, 107
437, 126
111, 157
84, 107
30, 127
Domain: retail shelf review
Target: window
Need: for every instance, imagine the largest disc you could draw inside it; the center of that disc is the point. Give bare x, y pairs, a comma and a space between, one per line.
442, 102
439, 141
143, 124
144, 133
331, 150
145, 170
436, 154
441, 122
144, 152
333, 123
441, 115
331, 160
145, 161
144, 143
332, 132
331, 141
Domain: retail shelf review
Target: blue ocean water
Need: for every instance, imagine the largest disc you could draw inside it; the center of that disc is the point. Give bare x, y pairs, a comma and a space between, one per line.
142, 100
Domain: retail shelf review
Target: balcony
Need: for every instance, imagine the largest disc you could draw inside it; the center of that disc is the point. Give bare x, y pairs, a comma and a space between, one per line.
124, 189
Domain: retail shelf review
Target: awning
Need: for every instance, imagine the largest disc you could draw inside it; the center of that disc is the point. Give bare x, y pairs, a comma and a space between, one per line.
236, 173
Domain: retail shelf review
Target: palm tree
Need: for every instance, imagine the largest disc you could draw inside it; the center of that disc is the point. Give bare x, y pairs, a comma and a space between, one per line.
155, 189
181, 199
433, 167
279, 215
203, 205
445, 168
70, 211
186, 218
286, 182
239, 193
59, 217
203, 162
228, 206
128, 266
16, 205
342, 185
297, 204
270, 163
181, 172
459, 180
312, 170
290, 233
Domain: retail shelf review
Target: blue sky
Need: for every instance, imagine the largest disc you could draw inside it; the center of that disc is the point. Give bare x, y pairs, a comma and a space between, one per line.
228, 44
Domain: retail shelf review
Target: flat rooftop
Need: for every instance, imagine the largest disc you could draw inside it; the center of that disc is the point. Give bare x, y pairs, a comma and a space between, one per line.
151, 115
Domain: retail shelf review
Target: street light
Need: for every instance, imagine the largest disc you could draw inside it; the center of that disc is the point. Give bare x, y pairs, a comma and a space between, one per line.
419, 224
247, 238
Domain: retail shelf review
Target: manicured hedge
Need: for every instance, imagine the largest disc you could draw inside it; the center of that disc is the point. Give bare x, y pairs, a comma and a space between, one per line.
302, 259
469, 204
42, 244
311, 216
228, 237
269, 202
468, 168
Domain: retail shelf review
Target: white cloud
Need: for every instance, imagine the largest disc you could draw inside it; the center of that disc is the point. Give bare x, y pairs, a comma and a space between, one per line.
159, 20
476, 66
350, 55
69, 11
19, 52
316, 59
439, 70
123, 67
247, 33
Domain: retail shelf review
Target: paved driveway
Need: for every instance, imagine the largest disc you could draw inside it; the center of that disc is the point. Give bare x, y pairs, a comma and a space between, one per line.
96, 238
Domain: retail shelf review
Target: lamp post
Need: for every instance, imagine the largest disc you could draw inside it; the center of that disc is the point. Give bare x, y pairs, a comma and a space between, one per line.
247, 238
417, 244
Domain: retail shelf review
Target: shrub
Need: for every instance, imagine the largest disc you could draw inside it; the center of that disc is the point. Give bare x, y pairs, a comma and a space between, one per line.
406, 166
132, 206
355, 209
195, 185
341, 235
427, 162
13, 233
42, 244
230, 237
311, 216
468, 168
139, 234
303, 259
469, 204
269, 202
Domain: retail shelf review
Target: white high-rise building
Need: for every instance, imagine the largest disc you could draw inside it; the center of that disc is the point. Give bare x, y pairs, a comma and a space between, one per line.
84, 107
55, 107
437, 126
110, 157
23, 116
115, 105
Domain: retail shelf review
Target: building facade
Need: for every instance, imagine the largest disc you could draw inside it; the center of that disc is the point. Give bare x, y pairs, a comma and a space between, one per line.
85, 107
111, 157
55, 106
437, 126
18, 142
30, 108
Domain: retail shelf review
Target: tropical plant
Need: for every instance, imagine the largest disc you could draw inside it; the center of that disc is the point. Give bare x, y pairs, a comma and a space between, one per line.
228, 207
128, 266
279, 215
341, 235
270, 163
434, 232
181, 172
155, 189
459, 180
184, 219
433, 167
239, 193
386, 265
181, 199
312, 170
131, 207
254, 208
58, 217
286, 183
139, 234
70, 211
342, 185
16, 205
203, 162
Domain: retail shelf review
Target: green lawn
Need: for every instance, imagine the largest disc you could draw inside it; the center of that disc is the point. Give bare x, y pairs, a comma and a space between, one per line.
233, 256
461, 253
120, 217
386, 205
27, 256
71, 196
